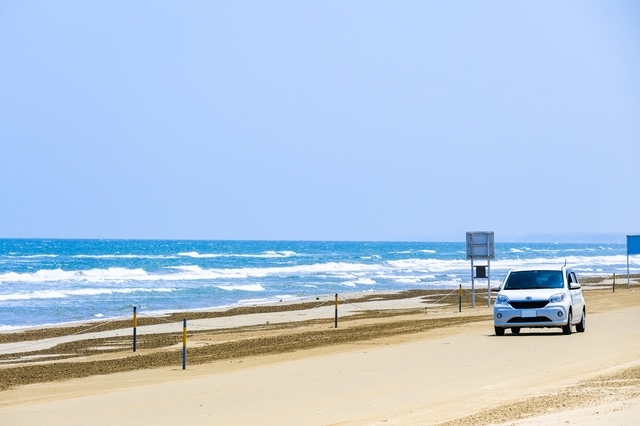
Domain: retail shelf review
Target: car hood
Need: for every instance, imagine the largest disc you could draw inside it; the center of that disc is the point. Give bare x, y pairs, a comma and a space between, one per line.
538, 294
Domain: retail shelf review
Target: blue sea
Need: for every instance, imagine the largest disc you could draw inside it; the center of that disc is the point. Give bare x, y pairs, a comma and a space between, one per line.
46, 282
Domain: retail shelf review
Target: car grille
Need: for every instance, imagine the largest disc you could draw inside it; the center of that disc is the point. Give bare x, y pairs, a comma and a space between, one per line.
535, 319
529, 304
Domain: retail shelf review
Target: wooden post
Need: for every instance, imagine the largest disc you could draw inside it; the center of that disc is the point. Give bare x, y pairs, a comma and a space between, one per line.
184, 343
460, 299
135, 325
614, 282
336, 319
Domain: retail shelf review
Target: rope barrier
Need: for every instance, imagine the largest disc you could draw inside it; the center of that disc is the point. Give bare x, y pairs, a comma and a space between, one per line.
345, 301
445, 296
201, 326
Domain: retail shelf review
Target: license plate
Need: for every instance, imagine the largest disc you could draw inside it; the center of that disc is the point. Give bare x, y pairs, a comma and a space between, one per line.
528, 313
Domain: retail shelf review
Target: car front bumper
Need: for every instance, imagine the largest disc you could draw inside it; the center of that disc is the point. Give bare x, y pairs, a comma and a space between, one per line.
550, 316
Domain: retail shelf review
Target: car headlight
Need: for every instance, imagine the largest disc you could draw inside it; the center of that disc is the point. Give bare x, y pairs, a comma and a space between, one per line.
557, 298
502, 300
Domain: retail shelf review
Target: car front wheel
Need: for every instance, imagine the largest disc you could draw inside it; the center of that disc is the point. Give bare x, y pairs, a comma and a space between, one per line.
582, 325
499, 331
566, 329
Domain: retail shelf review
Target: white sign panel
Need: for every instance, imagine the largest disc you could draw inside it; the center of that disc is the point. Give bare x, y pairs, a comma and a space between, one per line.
480, 245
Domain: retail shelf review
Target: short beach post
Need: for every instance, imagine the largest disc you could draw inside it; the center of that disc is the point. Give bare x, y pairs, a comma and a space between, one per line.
460, 298
184, 343
135, 325
336, 317
614, 282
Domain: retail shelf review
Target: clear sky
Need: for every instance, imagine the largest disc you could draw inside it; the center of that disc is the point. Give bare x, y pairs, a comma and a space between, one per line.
319, 120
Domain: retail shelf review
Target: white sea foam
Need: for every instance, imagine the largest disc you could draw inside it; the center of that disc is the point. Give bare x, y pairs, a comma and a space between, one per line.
266, 254
353, 283
90, 275
407, 280
427, 251
61, 294
248, 287
30, 256
121, 256
429, 265
197, 255
187, 268
435, 265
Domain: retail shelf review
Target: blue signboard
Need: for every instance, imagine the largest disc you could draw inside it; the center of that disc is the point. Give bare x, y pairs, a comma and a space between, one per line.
633, 244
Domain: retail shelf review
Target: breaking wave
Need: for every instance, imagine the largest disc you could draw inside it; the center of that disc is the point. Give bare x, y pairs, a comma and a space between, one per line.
359, 273
61, 294
264, 255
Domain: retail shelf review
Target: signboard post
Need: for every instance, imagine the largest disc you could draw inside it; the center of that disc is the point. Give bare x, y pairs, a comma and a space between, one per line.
480, 246
633, 247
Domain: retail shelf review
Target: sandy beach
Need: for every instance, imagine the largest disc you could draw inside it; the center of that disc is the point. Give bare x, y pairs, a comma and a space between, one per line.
405, 358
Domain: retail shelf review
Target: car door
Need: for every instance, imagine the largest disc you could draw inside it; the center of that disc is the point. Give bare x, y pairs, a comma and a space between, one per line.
577, 300
578, 295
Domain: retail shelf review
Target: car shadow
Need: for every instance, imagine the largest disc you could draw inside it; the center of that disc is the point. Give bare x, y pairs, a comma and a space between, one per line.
531, 333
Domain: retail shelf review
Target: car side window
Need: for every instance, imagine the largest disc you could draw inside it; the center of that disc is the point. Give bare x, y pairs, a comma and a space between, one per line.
569, 280
574, 278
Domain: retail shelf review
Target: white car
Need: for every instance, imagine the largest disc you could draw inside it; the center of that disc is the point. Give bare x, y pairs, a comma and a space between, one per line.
538, 298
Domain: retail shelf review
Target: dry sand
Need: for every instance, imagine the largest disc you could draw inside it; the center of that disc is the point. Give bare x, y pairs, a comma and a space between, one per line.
390, 362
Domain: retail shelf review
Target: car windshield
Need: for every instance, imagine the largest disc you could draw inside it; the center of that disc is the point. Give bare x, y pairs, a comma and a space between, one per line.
524, 280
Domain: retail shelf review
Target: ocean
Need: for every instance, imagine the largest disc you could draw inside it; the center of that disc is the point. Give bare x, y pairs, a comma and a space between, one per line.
44, 282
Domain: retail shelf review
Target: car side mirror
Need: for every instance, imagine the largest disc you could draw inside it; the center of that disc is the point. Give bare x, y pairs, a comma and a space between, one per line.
495, 289
574, 286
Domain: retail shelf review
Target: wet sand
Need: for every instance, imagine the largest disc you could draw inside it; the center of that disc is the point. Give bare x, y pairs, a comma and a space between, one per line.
389, 361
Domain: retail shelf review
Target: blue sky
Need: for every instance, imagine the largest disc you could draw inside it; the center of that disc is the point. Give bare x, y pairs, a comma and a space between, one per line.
323, 120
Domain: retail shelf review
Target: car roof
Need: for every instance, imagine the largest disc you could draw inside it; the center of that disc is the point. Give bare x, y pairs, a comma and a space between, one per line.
540, 268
